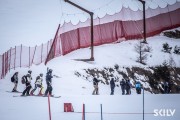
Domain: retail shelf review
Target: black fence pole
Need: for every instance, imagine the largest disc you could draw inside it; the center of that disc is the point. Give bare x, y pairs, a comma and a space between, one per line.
91, 16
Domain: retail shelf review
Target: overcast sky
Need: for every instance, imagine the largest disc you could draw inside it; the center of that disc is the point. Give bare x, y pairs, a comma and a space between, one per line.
33, 22
27, 22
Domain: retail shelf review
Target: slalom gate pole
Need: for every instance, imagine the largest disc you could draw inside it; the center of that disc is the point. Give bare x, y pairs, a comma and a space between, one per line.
143, 103
83, 113
49, 107
101, 112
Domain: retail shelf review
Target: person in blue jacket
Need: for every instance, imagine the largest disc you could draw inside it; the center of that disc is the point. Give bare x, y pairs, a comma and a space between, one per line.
138, 87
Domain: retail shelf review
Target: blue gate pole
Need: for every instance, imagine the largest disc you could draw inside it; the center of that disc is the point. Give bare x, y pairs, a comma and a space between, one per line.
101, 113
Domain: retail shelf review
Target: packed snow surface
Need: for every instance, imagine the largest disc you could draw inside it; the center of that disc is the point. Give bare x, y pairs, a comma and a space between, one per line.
77, 91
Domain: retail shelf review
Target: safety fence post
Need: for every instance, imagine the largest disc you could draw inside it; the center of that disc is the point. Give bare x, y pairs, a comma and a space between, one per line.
33, 55
29, 55
41, 51
15, 59
10, 60
20, 55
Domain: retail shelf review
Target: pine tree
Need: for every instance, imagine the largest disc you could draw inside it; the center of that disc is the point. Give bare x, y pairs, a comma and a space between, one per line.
139, 48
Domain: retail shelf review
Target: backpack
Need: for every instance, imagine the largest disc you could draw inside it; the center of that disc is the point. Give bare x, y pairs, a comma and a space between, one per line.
138, 85
23, 80
12, 78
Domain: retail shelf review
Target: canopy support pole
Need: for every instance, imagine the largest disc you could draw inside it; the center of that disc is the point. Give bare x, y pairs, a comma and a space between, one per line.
91, 15
144, 20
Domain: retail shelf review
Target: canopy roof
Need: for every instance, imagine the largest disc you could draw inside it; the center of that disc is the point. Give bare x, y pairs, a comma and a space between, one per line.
101, 8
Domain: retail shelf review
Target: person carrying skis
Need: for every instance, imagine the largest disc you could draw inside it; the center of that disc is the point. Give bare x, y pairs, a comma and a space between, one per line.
49, 83
112, 85
27, 78
96, 88
14, 79
38, 83
138, 87
123, 86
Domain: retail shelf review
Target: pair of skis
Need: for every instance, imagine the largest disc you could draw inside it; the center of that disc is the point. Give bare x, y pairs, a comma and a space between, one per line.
35, 96
31, 95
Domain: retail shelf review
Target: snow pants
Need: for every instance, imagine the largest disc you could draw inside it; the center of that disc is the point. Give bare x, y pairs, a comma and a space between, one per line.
112, 90
49, 90
96, 90
28, 88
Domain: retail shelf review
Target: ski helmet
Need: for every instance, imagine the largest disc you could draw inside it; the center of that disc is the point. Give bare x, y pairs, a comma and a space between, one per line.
50, 70
41, 74
29, 71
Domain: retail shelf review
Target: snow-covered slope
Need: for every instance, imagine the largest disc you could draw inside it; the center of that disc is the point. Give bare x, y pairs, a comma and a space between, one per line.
77, 90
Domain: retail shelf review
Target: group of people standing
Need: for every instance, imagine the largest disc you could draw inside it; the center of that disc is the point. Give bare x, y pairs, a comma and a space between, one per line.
125, 86
26, 79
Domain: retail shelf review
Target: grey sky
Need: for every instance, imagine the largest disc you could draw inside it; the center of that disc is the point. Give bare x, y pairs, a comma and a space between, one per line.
27, 22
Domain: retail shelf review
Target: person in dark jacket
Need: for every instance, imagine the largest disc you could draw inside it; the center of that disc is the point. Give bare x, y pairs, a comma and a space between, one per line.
128, 87
166, 87
112, 85
123, 86
49, 83
28, 79
96, 88
170, 86
15, 81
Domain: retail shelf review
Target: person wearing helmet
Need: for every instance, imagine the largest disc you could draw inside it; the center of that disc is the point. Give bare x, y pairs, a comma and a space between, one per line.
28, 79
96, 88
14, 79
38, 83
49, 83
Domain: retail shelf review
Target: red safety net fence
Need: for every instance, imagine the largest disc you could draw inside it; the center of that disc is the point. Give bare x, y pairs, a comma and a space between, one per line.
126, 24
23, 56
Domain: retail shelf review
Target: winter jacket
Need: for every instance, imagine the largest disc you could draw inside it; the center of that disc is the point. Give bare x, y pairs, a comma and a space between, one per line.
138, 85
95, 81
122, 83
39, 80
128, 84
15, 76
112, 83
49, 78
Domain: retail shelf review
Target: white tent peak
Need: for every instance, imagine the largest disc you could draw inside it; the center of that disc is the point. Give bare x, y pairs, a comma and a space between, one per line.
102, 8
